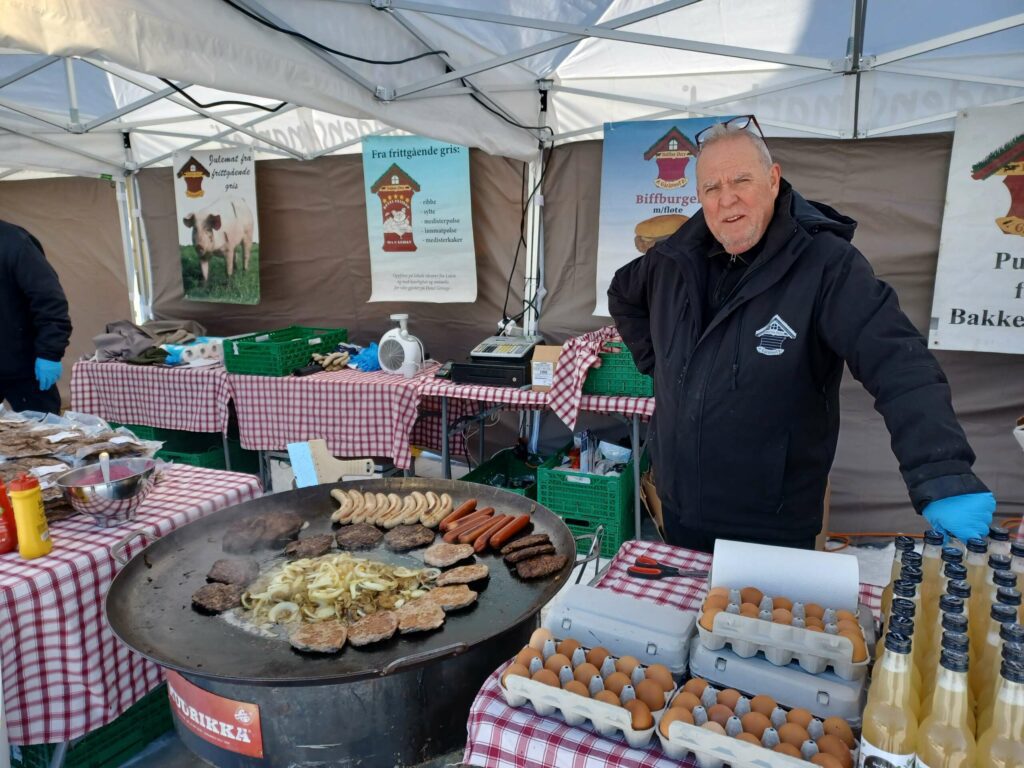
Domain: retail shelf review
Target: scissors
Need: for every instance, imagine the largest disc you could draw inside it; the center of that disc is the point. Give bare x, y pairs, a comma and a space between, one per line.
649, 568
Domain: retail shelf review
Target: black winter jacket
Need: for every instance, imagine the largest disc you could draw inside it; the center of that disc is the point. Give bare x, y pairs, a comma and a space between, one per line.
34, 319
747, 421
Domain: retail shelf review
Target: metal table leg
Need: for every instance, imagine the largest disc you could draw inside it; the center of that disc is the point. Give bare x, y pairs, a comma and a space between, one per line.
59, 753
227, 452
446, 452
635, 443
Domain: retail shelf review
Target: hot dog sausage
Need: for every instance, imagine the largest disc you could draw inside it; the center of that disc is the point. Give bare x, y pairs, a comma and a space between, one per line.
464, 509
467, 523
472, 532
507, 531
497, 523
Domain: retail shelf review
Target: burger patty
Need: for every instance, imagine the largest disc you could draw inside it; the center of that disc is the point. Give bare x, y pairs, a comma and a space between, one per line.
269, 530
373, 628
443, 554
464, 574
281, 527
419, 616
323, 637
358, 536
313, 546
525, 554
538, 567
230, 570
405, 537
526, 541
217, 598
451, 598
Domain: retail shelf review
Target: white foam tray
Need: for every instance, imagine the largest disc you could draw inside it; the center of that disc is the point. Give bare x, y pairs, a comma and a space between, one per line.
781, 644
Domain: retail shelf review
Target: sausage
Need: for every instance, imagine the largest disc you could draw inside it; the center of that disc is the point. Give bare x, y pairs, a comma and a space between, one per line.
468, 522
497, 523
463, 510
507, 531
472, 531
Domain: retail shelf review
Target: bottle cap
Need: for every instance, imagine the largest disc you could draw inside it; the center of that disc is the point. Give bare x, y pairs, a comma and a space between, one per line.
904, 588
902, 625
954, 571
1013, 651
951, 554
954, 622
959, 588
903, 607
1004, 579
977, 546
933, 538
998, 533
904, 544
1017, 549
951, 604
1008, 596
897, 643
955, 661
1011, 632
911, 558
1013, 671
1003, 613
23, 482
912, 573
999, 562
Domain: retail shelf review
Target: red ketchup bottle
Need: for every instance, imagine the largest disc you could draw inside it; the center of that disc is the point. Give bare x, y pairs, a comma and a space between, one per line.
8, 531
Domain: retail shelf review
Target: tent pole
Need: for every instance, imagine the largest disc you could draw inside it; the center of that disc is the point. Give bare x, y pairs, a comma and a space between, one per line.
143, 259
124, 215
534, 226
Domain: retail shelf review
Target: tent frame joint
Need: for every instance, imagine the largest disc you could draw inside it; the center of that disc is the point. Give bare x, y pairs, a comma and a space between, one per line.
384, 93
381, 5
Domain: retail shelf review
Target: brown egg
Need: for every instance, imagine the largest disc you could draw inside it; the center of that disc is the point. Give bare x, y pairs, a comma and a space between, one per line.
608, 698
627, 664
708, 619
584, 672
782, 616
814, 611
835, 746
695, 686
825, 760
711, 725
575, 686
729, 697
749, 609
556, 661
676, 713
860, 648
782, 602
642, 717
651, 694
616, 682
718, 591
527, 654
567, 646
848, 625
763, 704
754, 723
814, 628
751, 595
716, 601
662, 675
840, 615
791, 733
811, 621
787, 749
515, 670
539, 637
685, 700
720, 714
597, 656
547, 677
749, 738
800, 716
839, 727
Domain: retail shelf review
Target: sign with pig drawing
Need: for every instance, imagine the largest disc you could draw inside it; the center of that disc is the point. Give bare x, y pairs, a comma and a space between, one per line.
218, 237
419, 220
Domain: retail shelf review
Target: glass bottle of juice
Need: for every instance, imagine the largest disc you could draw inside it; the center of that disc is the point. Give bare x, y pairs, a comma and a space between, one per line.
931, 565
904, 625
1012, 636
901, 606
1017, 556
977, 568
956, 642
982, 682
1005, 589
889, 727
903, 544
983, 600
945, 739
1002, 744
952, 572
948, 604
998, 540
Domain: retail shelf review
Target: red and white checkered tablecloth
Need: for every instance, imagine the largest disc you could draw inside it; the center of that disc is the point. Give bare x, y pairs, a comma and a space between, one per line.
63, 671
358, 414
192, 399
516, 399
502, 737
618, 404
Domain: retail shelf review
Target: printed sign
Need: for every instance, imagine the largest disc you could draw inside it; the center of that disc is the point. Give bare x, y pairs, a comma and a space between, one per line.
979, 284
228, 724
218, 236
648, 190
419, 220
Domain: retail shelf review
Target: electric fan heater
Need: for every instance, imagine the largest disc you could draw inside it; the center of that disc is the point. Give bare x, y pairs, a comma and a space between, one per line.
399, 351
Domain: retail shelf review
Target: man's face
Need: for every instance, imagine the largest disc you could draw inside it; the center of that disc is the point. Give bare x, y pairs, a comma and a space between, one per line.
737, 192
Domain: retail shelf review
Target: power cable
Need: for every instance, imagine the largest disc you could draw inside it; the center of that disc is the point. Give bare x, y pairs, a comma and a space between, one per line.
545, 160
212, 104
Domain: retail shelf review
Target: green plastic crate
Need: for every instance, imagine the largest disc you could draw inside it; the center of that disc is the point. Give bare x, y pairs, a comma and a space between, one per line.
618, 375
242, 459
173, 439
278, 353
612, 539
110, 745
211, 458
505, 463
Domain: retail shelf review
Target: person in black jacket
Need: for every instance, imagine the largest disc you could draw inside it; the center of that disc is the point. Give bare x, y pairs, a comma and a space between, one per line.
744, 317
34, 321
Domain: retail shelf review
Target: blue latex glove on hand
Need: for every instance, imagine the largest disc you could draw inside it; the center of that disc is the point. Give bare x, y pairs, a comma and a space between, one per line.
47, 373
967, 516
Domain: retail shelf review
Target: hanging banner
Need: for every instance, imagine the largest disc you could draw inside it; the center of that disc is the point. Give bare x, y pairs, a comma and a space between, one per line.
218, 238
419, 220
979, 283
648, 190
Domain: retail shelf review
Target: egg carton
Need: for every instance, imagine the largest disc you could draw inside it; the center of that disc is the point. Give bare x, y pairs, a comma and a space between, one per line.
781, 644
712, 750
607, 719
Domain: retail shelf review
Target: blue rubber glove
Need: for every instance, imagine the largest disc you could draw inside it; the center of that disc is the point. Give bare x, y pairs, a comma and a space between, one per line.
367, 359
47, 373
967, 516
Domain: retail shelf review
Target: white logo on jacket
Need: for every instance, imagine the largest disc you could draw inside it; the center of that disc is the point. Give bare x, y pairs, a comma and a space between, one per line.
773, 335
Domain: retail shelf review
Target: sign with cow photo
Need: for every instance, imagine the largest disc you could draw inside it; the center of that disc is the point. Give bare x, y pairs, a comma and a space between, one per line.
215, 196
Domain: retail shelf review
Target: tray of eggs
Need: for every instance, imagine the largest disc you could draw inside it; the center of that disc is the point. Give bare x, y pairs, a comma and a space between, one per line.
727, 727
783, 630
616, 694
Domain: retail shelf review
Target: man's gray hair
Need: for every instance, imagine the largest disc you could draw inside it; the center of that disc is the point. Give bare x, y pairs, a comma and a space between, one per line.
722, 131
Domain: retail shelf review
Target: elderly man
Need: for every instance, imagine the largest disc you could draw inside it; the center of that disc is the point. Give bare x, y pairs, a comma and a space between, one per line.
744, 318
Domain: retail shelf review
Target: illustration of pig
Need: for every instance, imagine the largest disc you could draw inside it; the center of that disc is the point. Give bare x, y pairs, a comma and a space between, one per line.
221, 228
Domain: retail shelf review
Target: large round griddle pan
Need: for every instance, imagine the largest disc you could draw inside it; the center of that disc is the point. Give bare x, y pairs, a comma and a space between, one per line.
149, 604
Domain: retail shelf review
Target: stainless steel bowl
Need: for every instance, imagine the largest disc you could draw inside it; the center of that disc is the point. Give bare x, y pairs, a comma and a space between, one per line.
109, 504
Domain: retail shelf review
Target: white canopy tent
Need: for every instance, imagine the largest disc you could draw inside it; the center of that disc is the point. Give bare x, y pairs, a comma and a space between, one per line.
106, 88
